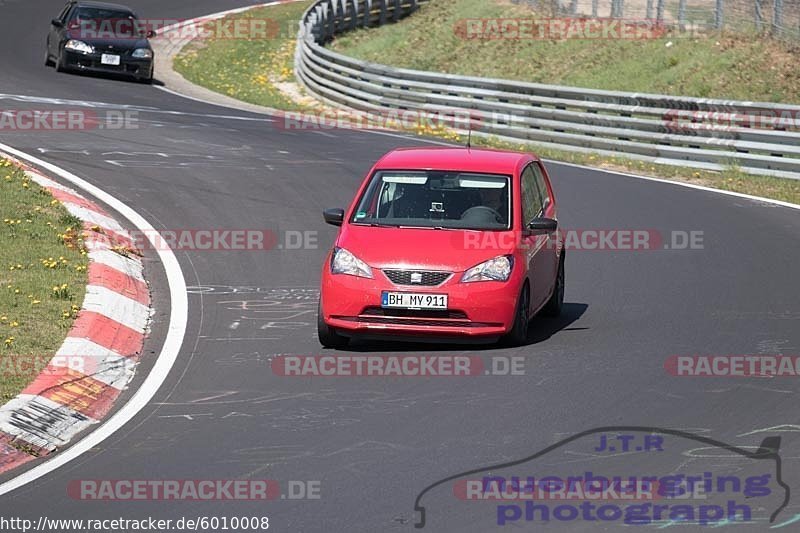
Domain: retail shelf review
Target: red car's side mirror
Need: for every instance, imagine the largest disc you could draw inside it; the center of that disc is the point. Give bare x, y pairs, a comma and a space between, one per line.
334, 217
543, 225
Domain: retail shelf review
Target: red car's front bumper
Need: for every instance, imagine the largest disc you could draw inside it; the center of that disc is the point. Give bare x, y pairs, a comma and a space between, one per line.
479, 310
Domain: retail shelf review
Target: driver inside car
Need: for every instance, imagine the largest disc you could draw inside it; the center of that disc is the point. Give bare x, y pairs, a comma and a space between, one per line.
492, 198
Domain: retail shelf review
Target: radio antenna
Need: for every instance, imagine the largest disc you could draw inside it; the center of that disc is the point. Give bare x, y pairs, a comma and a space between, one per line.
469, 136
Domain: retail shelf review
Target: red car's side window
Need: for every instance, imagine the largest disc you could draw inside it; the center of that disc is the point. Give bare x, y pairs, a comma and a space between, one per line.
541, 182
531, 197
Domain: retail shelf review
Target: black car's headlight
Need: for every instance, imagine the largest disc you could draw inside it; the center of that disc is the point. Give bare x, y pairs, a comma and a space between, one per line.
79, 46
142, 53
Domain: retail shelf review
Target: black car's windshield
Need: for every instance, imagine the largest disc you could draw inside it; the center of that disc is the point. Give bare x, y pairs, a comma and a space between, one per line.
105, 22
436, 199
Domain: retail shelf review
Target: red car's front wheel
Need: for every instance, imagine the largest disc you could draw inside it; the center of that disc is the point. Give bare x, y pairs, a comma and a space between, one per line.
556, 302
518, 335
327, 335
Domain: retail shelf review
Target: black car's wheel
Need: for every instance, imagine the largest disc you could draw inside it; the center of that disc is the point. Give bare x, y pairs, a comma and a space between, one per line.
519, 333
556, 302
327, 336
147, 80
48, 61
60, 65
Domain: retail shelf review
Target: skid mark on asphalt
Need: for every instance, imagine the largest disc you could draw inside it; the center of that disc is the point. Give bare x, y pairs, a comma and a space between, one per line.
783, 428
280, 311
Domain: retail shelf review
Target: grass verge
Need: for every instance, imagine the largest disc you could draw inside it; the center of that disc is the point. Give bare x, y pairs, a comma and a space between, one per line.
253, 71
739, 66
42, 277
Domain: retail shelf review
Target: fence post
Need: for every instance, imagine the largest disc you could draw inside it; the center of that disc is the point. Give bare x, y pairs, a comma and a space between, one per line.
649, 10
719, 20
759, 16
382, 18
660, 12
573, 7
367, 13
594, 8
396, 13
777, 16
682, 14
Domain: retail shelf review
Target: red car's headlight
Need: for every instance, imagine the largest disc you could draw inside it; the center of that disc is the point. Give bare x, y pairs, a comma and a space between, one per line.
496, 269
343, 262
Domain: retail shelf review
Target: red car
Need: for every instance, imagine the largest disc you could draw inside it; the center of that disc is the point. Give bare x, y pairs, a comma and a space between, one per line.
444, 244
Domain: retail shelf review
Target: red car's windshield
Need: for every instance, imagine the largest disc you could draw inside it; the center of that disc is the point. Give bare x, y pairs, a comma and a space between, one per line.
456, 200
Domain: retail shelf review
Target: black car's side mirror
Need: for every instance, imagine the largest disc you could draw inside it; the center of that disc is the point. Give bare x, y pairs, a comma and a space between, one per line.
543, 225
57, 23
150, 34
334, 217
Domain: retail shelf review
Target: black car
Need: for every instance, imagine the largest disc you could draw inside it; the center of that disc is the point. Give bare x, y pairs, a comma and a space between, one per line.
100, 37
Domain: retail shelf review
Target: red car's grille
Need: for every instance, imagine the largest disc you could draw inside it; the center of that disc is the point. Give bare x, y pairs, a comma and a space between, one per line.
424, 278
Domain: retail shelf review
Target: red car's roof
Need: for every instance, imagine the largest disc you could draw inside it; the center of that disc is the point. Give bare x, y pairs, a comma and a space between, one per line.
463, 159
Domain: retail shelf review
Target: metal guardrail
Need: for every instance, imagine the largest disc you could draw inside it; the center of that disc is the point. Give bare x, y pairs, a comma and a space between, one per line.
759, 137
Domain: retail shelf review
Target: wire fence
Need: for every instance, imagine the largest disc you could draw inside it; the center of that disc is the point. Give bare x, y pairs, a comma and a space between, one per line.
779, 18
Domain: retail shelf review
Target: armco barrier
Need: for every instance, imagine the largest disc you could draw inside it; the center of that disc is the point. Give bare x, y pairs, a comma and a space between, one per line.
759, 137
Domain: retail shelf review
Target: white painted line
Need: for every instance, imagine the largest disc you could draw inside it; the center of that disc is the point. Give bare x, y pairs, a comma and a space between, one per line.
682, 184
117, 307
127, 265
178, 316
45, 423
93, 217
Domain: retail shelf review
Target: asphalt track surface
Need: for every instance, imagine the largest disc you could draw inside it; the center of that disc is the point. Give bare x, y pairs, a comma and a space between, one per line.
375, 443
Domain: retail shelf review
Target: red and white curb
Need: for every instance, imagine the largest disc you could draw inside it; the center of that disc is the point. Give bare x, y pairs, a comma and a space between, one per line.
97, 360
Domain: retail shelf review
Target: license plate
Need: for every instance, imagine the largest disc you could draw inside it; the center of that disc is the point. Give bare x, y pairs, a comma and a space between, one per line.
411, 300
109, 59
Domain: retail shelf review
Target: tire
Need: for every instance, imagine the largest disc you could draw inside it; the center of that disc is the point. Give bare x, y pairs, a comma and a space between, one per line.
556, 302
48, 61
328, 338
60, 67
146, 80
518, 335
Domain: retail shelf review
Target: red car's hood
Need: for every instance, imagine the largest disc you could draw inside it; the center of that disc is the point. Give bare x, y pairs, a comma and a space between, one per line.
452, 250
